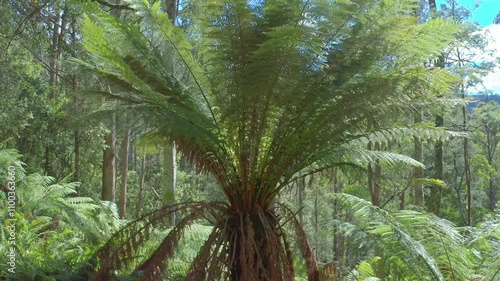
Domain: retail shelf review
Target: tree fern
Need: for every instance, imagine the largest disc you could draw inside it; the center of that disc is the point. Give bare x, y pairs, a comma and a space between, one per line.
253, 93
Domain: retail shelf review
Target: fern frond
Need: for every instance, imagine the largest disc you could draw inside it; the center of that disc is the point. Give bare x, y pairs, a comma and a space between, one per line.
436, 244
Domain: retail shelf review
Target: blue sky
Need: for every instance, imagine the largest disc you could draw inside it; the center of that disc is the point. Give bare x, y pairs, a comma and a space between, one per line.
484, 14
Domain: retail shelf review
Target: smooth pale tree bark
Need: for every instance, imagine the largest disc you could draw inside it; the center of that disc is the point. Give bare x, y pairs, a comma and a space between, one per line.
109, 157
123, 185
467, 163
169, 155
142, 186
170, 177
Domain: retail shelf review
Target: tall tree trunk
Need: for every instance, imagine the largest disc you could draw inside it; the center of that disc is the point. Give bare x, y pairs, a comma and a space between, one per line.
115, 11
76, 133
170, 175
171, 8
491, 146
432, 5
142, 186
316, 214
337, 239
58, 33
374, 184
169, 155
436, 191
109, 165
301, 184
434, 205
109, 157
374, 177
467, 165
491, 195
418, 155
456, 186
123, 186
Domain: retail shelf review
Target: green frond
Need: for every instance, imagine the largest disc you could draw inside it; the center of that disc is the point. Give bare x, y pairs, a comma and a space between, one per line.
364, 157
436, 245
255, 92
363, 272
493, 271
406, 132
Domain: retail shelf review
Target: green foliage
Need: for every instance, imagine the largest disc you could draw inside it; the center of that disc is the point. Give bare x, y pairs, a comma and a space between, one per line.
417, 244
240, 82
484, 240
253, 93
364, 271
49, 218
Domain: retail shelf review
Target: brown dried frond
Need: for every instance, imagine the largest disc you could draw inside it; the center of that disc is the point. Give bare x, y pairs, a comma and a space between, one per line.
312, 267
208, 257
120, 250
154, 266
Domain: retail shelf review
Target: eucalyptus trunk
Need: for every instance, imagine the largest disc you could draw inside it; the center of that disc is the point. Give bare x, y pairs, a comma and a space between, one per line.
434, 204
124, 171
374, 176
142, 186
170, 177
109, 166
418, 173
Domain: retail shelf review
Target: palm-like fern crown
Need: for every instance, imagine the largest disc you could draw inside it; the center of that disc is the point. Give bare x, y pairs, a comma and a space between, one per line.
256, 91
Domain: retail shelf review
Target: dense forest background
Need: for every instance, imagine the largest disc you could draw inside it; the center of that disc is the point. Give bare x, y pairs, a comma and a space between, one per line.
413, 196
